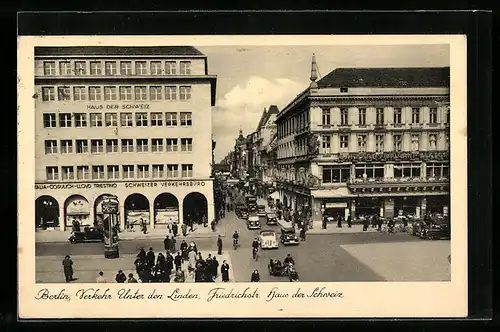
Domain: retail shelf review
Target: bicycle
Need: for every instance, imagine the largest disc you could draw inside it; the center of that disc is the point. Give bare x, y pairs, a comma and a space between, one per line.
235, 244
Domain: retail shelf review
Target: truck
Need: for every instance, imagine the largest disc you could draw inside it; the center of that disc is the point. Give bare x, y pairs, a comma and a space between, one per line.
251, 202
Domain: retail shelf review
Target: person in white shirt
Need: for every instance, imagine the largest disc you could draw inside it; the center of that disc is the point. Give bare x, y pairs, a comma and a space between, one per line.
100, 278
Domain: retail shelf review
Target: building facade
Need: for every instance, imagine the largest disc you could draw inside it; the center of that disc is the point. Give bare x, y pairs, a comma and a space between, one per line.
134, 122
266, 130
240, 157
366, 141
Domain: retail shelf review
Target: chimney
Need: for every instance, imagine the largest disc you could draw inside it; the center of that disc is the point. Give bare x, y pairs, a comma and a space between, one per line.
314, 72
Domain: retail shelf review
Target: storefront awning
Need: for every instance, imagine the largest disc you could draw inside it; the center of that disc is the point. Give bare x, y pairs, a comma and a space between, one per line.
331, 194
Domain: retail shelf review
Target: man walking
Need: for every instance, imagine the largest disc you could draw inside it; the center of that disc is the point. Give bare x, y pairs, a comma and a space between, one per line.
166, 243
349, 222
150, 258
178, 261
219, 245
67, 264
175, 229
120, 277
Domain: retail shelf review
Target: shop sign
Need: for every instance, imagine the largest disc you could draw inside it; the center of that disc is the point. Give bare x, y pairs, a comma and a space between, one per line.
119, 185
117, 106
335, 205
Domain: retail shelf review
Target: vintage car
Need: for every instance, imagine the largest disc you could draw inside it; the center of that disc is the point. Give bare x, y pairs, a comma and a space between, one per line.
253, 222
271, 218
288, 236
89, 234
268, 239
261, 210
241, 211
432, 228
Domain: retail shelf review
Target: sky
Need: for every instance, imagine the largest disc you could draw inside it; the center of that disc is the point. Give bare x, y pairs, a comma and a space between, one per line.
251, 78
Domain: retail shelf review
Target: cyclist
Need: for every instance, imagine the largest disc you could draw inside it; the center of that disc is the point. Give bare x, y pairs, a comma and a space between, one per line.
236, 236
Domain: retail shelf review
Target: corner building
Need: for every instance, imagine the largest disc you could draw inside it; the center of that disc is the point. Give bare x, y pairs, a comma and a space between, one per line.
366, 141
134, 122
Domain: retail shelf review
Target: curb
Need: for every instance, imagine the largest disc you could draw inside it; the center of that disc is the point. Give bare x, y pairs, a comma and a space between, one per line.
146, 238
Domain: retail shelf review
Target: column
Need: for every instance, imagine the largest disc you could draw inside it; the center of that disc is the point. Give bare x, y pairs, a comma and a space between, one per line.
423, 170
91, 213
316, 210
122, 215
181, 214
335, 145
353, 142
353, 172
389, 208
423, 206
62, 219
151, 214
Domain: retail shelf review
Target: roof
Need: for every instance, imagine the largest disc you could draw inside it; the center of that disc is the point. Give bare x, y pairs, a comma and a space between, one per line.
386, 77
117, 50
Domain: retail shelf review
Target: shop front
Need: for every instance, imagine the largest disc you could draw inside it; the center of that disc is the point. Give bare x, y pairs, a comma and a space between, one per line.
437, 204
407, 206
366, 207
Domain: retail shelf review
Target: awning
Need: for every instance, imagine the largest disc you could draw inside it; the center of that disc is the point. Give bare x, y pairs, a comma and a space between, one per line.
335, 193
275, 195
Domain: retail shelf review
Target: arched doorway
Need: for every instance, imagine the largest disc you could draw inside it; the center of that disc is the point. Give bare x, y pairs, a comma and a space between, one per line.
46, 212
98, 215
166, 209
195, 206
136, 209
77, 208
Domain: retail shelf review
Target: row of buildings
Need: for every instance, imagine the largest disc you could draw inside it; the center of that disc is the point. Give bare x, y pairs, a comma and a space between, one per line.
358, 141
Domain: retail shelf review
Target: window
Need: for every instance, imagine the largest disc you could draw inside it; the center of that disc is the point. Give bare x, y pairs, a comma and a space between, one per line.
140, 93
52, 173
142, 145
109, 93
171, 119
95, 119
143, 171
437, 170
415, 142
185, 67
326, 117
64, 120
48, 94
65, 68
447, 116
379, 143
415, 115
49, 68
125, 67
407, 170
126, 119
66, 146
155, 68
94, 93
187, 170
97, 146
379, 116
50, 147
171, 144
63, 93
171, 67
80, 120
362, 116
67, 172
336, 174
186, 144
172, 171
344, 116
111, 145
432, 141
111, 119
398, 145
113, 172
155, 92
49, 120
362, 143
433, 115
98, 172
157, 145
156, 119
326, 142
79, 93
127, 145
157, 171
82, 146
186, 119
185, 93
95, 68
141, 68
82, 172
141, 119
110, 68
128, 171
344, 142
369, 171
170, 93
397, 116
80, 68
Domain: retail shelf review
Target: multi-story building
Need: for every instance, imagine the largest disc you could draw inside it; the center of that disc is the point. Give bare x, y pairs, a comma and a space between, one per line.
134, 122
367, 141
240, 163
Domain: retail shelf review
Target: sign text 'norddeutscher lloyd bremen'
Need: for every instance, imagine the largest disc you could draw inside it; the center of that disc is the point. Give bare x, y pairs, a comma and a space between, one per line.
62, 186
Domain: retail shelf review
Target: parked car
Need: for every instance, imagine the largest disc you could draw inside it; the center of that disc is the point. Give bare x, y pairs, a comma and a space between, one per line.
268, 239
432, 228
253, 222
271, 218
89, 234
288, 236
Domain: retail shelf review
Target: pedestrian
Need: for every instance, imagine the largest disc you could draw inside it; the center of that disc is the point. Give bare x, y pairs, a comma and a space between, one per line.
131, 279
67, 264
339, 222
191, 275
120, 277
224, 269
303, 233
209, 266
175, 229
166, 243
172, 244
379, 223
178, 261
366, 224
150, 258
192, 259
100, 278
179, 275
212, 225
255, 276
193, 247
215, 267
144, 226
169, 263
219, 245
325, 219
349, 222
184, 250
184, 229
255, 249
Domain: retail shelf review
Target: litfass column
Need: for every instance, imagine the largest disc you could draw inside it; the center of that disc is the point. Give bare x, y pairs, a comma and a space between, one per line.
110, 211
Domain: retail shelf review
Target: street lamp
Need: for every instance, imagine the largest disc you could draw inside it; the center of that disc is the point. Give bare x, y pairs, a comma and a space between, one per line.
110, 209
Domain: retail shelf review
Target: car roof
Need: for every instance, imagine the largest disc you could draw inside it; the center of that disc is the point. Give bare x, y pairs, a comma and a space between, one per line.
287, 228
267, 231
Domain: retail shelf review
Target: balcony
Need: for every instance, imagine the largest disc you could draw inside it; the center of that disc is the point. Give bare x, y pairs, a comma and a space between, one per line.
399, 185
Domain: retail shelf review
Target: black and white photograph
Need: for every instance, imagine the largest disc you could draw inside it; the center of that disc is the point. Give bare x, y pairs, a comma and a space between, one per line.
242, 162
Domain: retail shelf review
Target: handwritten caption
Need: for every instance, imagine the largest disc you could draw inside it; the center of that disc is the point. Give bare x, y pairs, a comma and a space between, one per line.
178, 294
